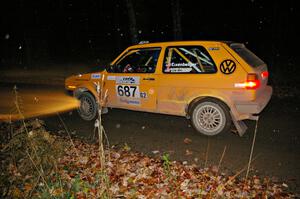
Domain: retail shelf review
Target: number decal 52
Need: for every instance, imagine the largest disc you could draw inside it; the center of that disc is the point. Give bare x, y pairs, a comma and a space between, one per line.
128, 91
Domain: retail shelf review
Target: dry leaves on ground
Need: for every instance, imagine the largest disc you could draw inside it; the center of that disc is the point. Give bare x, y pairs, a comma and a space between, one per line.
133, 175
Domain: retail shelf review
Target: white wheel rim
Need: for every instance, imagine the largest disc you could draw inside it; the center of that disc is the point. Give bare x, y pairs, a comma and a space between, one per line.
209, 119
86, 106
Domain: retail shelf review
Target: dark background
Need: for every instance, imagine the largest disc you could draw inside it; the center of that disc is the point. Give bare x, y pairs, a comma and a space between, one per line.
94, 31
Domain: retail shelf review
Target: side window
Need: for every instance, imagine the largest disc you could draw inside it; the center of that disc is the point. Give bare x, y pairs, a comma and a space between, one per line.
137, 61
188, 59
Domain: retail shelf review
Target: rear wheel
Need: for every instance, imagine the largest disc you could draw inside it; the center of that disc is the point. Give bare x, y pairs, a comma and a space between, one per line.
210, 117
88, 106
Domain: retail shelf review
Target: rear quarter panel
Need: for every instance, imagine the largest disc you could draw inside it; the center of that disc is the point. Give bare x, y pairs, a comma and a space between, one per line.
177, 91
250, 95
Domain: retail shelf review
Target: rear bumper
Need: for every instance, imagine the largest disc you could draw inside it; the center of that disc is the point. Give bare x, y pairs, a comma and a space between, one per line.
255, 107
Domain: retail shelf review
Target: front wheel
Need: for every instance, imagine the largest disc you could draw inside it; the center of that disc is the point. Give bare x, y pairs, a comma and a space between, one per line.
88, 106
210, 117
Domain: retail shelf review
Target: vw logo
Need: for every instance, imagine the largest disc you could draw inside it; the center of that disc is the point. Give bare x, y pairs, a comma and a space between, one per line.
227, 66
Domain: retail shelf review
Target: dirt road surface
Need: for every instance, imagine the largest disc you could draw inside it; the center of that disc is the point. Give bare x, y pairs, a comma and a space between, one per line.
277, 147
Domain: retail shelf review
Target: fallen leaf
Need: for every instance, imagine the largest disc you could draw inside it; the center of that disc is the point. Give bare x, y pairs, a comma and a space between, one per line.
84, 160
155, 152
187, 141
188, 152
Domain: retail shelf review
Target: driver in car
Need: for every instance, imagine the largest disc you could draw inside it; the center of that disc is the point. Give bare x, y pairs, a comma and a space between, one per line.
128, 69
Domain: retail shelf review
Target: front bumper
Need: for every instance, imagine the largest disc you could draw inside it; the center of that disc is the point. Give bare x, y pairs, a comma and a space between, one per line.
255, 107
69, 93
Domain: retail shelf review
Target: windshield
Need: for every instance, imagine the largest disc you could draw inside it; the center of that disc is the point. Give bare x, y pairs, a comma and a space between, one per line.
247, 55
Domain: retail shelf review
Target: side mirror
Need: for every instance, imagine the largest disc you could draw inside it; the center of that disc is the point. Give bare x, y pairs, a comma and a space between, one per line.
110, 68
102, 68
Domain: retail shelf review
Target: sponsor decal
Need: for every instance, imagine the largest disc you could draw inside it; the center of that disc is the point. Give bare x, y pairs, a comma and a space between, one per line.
151, 91
111, 77
227, 66
130, 101
214, 48
143, 95
180, 70
181, 67
96, 76
127, 80
183, 64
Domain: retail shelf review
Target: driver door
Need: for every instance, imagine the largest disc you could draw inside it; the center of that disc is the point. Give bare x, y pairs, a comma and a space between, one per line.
131, 80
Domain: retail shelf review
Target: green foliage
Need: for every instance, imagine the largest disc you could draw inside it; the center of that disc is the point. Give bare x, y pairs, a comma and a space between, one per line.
126, 147
166, 163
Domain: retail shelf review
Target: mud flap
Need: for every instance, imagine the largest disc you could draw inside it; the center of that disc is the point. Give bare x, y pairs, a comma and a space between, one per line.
240, 126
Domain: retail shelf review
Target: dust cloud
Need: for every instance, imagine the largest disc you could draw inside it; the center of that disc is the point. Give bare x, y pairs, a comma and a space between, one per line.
16, 104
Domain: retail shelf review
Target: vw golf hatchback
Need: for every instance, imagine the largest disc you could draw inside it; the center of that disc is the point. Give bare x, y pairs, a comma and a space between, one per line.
212, 83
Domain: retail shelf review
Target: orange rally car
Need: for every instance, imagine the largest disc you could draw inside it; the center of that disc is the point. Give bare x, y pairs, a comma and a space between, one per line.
212, 83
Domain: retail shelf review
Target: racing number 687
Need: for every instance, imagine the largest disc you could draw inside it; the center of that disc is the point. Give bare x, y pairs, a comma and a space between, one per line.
128, 91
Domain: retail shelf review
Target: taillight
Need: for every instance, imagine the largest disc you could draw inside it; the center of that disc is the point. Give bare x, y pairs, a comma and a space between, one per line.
252, 82
265, 74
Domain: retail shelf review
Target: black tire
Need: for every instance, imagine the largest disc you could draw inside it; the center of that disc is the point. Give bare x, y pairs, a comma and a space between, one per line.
210, 117
88, 106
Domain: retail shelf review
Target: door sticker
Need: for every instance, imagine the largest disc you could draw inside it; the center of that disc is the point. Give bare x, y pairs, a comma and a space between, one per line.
111, 77
143, 95
227, 66
130, 101
127, 80
151, 91
179, 70
128, 91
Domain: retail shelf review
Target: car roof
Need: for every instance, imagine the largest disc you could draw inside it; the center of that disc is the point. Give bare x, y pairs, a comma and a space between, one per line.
167, 43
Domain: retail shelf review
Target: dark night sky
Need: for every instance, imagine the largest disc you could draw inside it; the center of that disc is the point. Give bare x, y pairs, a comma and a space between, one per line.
84, 31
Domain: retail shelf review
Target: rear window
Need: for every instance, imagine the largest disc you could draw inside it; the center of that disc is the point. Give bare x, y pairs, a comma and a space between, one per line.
247, 55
